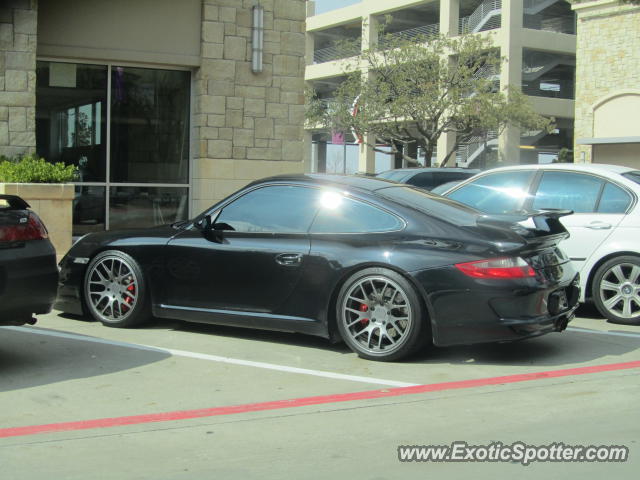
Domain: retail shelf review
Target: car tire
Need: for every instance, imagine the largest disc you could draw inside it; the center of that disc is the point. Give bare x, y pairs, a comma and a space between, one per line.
115, 292
616, 290
380, 315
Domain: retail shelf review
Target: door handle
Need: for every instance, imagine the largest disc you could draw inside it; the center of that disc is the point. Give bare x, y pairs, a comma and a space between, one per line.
289, 259
599, 225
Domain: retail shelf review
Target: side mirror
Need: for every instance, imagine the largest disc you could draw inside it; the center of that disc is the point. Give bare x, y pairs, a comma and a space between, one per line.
204, 224
214, 232
221, 226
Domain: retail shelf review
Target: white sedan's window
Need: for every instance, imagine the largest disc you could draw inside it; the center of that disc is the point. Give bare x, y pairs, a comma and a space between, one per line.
568, 191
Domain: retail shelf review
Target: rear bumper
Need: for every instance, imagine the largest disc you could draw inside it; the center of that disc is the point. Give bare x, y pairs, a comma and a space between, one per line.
28, 281
466, 311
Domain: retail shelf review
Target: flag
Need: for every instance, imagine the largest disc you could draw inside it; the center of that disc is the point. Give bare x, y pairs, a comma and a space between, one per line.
337, 138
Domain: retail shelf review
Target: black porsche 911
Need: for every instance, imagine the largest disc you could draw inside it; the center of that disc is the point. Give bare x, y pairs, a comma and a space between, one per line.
385, 267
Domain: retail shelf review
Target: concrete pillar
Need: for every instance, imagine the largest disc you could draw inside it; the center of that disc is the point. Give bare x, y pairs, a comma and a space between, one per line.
449, 17
309, 37
321, 166
308, 152
412, 151
369, 32
445, 143
366, 155
309, 48
311, 8
510, 42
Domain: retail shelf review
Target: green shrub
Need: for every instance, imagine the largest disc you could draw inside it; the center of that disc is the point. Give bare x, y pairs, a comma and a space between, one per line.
31, 169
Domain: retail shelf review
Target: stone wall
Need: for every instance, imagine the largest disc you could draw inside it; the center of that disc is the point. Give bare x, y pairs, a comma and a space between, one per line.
608, 61
18, 38
247, 125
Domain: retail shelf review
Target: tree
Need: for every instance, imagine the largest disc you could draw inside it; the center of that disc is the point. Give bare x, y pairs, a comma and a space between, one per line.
409, 92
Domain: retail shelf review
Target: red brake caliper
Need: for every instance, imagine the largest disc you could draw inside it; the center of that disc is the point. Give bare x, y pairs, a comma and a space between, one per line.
128, 300
364, 308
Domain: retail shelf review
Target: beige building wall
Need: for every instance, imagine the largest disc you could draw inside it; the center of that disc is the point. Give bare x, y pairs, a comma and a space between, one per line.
143, 31
18, 34
247, 125
607, 129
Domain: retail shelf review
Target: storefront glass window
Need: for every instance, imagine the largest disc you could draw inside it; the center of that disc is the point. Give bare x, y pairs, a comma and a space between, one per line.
142, 179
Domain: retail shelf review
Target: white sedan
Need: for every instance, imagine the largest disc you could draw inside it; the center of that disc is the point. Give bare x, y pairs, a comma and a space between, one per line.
605, 226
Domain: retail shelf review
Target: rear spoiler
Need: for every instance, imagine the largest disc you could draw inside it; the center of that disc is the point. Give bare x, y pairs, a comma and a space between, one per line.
15, 202
537, 227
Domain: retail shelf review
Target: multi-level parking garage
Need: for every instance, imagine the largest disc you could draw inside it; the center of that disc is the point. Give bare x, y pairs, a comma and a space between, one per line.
535, 37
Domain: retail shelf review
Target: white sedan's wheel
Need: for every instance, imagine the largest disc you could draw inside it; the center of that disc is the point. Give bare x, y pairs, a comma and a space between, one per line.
616, 290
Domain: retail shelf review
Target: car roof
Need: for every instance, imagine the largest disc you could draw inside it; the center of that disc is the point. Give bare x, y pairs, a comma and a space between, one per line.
431, 169
601, 168
367, 184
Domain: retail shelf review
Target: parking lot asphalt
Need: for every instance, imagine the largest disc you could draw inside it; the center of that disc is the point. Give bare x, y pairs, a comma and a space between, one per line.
178, 400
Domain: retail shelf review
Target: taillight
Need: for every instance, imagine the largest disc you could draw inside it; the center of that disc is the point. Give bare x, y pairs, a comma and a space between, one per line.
32, 229
514, 267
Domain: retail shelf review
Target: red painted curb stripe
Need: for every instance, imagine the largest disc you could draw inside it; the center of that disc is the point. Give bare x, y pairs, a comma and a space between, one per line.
306, 401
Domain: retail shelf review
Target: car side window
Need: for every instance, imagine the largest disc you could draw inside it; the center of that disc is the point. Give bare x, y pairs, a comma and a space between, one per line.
444, 177
272, 209
340, 214
614, 199
500, 192
569, 191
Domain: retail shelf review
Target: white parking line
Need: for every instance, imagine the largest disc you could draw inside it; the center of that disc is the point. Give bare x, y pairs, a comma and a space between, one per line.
604, 332
215, 358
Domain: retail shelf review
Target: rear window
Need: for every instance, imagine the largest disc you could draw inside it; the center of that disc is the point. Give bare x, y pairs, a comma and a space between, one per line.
613, 200
440, 207
353, 216
633, 176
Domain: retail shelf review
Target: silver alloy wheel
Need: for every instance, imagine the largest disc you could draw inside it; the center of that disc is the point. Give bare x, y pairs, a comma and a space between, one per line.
112, 289
377, 315
620, 290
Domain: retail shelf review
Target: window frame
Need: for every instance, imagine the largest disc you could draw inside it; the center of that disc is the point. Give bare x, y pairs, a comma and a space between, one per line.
215, 211
106, 140
538, 179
